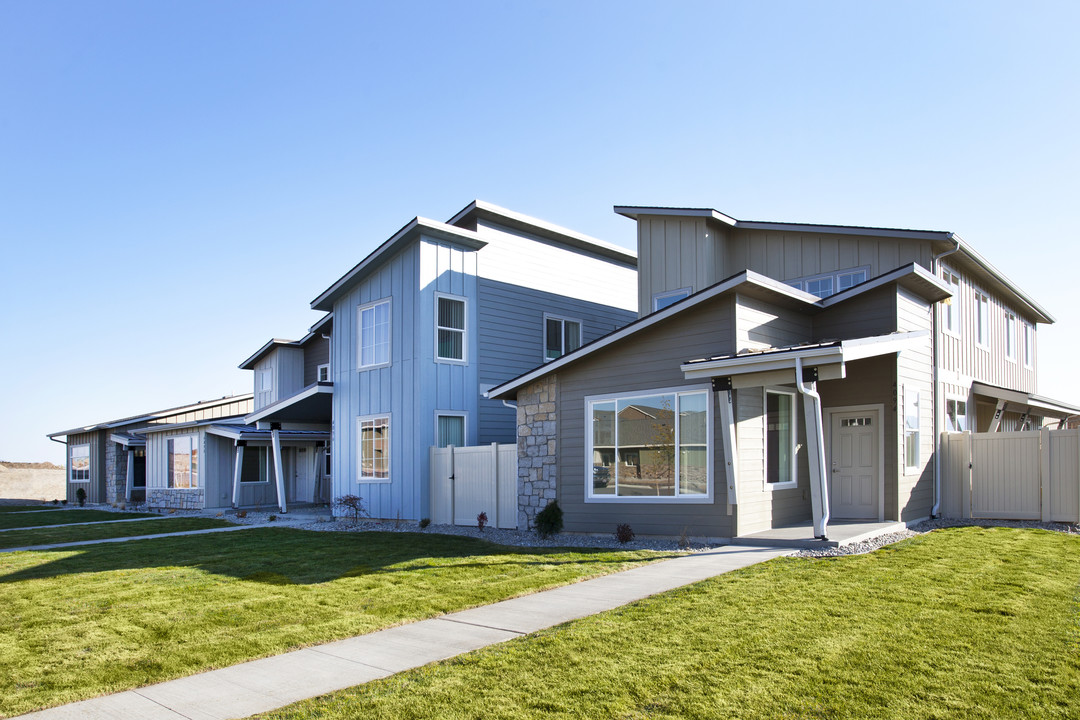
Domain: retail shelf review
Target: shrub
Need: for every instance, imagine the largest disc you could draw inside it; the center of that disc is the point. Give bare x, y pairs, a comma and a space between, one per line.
481, 521
549, 520
64, 501
241, 514
424, 522
271, 518
55, 502
353, 504
80, 495
624, 533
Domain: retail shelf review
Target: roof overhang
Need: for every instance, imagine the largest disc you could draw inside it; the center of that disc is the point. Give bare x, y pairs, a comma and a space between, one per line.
912, 277
1020, 400
182, 409
128, 441
313, 404
248, 433
776, 367
265, 350
414, 229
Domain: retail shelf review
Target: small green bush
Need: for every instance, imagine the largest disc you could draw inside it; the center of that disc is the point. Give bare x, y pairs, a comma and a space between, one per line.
353, 504
549, 520
80, 495
624, 533
424, 522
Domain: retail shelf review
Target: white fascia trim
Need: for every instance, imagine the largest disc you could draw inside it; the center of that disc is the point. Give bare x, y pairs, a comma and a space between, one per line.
274, 407
1000, 277
127, 441
271, 344
633, 211
746, 276
847, 230
886, 279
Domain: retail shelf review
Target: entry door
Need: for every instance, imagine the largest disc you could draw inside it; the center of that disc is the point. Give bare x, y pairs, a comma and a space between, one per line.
854, 461
303, 485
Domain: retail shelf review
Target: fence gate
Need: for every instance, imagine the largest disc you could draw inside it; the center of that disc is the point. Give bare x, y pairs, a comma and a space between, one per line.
466, 481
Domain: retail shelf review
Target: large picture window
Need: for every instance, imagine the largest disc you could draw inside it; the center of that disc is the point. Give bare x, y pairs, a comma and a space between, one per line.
374, 323
560, 336
780, 439
450, 329
650, 446
183, 459
374, 454
79, 463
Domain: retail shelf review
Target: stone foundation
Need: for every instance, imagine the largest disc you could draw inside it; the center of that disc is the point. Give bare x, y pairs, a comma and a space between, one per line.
174, 499
537, 420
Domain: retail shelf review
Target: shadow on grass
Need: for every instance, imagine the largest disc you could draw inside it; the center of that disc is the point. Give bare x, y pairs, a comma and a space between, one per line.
283, 556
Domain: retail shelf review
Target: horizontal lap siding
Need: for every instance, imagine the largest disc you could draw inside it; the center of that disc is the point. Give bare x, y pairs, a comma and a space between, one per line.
649, 360
915, 491
762, 326
316, 353
874, 313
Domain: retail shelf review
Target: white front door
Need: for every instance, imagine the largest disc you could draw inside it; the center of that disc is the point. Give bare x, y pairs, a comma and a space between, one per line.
854, 466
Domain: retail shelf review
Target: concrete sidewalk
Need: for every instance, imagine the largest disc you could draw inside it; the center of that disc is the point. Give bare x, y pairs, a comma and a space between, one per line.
129, 538
267, 684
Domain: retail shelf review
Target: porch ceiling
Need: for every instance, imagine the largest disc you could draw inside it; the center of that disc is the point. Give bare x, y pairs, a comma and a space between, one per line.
1022, 401
313, 404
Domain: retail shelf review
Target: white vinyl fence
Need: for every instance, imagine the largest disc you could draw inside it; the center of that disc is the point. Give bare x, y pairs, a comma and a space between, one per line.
1031, 475
466, 481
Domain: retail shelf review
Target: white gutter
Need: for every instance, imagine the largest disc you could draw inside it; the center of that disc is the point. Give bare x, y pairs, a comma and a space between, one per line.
812, 411
939, 401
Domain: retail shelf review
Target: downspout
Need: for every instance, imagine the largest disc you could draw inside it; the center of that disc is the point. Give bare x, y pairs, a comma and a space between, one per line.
823, 489
939, 402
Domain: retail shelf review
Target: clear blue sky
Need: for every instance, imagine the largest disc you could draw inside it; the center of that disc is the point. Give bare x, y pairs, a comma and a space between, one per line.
179, 179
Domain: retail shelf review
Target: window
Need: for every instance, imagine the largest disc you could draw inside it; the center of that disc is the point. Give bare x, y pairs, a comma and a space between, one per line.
826, 284
374, 454
79, 463
662, 300
183, 459
821, 287
374, 334
911, 428
956, 415
649, 447
560, 336
1029, 344
450, 430
951, 316
257, 470
846, 280
322, 373
982, 319
1010, 336
780, 439
450, 328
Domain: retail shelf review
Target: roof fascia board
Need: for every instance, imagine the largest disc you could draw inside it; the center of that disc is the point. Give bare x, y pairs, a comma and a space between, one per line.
886, 279
309, 391
272, 344
846, 230
411, 231
634, 211
109, 424
760, 362
1032, 306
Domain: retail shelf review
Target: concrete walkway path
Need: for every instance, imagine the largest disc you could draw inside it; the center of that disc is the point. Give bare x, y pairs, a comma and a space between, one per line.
91, 522
204, 531
263, 685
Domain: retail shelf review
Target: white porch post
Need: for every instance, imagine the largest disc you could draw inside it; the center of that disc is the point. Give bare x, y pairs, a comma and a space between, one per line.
236, 473
130, 483
815, 446
727, 430
275, 435
999, 411
320, 478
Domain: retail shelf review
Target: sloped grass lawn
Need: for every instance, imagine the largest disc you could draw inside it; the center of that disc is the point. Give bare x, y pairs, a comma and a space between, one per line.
102, 618
960, 623
26, 508
63, 517
80, 533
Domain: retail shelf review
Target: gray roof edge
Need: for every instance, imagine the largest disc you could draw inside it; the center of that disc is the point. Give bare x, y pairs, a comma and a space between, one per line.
109, 424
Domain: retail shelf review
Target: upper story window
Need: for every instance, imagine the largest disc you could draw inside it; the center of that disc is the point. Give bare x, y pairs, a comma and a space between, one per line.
374, 324
79, 463
322, 373
826, 284
662, 300
1029, 344
951, 316
265, 380
1010, 336
560, 336
982, 319
183, 459
450, 328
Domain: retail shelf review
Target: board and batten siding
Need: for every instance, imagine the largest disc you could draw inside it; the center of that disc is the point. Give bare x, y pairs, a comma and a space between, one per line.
648, 360
241, 406
287, 367
157, 456
677, 253
95, 486
914, 371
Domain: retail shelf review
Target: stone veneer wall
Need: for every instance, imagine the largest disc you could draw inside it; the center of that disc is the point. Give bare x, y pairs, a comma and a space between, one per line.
537, 421
174, 498
115, 473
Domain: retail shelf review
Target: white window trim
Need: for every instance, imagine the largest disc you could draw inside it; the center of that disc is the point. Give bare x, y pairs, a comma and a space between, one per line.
265, 449
799, 283
361, 479
562, 335
684, 292
464, 360
951, 397
709, 448
948, 275
980, 298
360, 334
1010, 336
917, 431
71, 467
794, 481
452, 413
196, 446
1027, 337
318, 372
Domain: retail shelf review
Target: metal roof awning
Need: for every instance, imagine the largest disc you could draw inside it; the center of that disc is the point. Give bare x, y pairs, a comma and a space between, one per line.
127, 440
313, 404
1020, 401
252, 433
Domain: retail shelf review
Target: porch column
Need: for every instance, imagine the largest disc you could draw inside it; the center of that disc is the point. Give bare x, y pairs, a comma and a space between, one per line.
236, 472
727, 432
320, 478
275, 435
995, 424
130, 483
806, 383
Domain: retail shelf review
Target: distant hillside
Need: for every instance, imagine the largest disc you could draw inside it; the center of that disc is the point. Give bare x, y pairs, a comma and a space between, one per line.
30, 466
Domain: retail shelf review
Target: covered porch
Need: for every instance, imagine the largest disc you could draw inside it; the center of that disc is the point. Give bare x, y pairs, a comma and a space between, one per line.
801, 535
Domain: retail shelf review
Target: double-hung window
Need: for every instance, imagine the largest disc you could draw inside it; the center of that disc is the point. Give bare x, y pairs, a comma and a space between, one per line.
912, 405
183, 459
780, 440
374, 324
650, 446
560, 336
1029, 344
951, 319
373, 461
1010, 336
79, 463
449, 328
982, 319
322, 373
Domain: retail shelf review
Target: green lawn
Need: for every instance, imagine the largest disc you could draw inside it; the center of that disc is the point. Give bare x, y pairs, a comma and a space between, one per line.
960, 623
63, 517
79, 533
25, 508
102, 618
